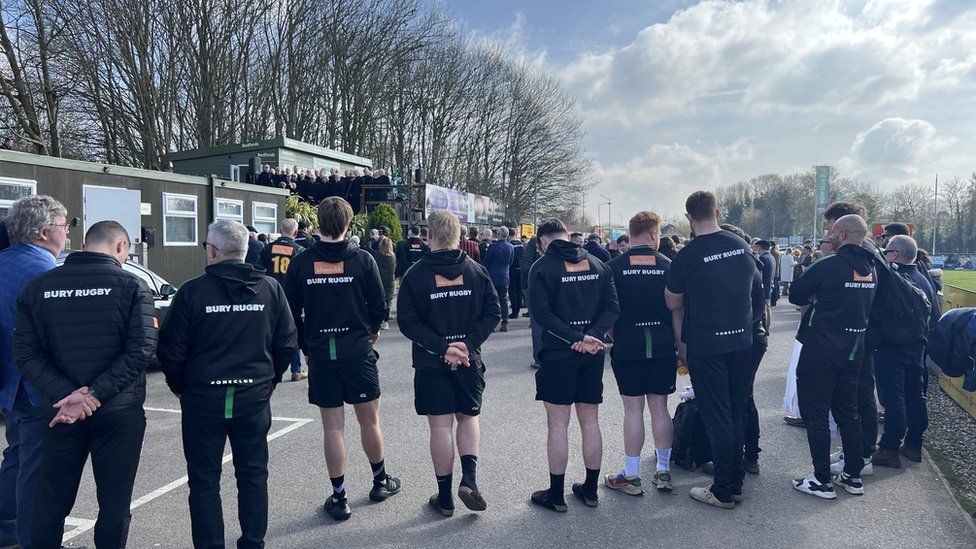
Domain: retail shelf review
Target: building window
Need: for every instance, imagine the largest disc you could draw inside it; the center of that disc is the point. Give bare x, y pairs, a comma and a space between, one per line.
179, 220
264, 217
226, 208
12, 190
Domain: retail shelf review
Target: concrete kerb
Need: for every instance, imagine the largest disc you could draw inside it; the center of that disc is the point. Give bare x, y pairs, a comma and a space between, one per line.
945, 484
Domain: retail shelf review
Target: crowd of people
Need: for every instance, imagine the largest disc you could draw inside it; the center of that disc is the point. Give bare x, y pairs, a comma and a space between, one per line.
74, 343
314, 186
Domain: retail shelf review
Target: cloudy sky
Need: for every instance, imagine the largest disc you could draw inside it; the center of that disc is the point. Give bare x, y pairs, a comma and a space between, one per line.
679, 95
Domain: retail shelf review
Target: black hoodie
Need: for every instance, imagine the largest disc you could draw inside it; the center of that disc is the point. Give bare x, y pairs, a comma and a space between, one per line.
408, 252
572, 295
446, 297
338, 287
643, 329
227, 340
841, 288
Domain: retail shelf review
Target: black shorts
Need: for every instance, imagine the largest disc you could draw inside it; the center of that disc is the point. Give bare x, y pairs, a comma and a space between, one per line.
442, 391
577, 379
354, 381
646, 376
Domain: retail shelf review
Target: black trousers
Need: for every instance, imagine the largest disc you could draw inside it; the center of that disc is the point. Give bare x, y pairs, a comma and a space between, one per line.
867, 406
203, 445
503, 301
721, 384
826, 384
750, 426
515, 294
113, 438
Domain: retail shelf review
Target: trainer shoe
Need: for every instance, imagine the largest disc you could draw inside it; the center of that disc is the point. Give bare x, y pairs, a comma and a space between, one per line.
912, 454
837, 467
591, 500
886, 458
298, 376
662, 481
384, 489
623, 483
850, 484
837, 456
472, 498
385, 325
708, 468
337, 508
504, 327
535, 365
794, 421
706, 496
542, 499
751, 467
435, 504
812, 486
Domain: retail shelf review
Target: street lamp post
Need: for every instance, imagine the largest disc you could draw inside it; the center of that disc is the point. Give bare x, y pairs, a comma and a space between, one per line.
609, 215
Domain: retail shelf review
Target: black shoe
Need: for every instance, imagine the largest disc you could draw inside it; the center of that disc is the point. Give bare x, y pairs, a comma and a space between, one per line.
513, 316
337, 508
751, 467
542, 499
708, 468
435, 504
912, 454
794, 421
591, 500
472, 498
384, 489
535, 365
886, 458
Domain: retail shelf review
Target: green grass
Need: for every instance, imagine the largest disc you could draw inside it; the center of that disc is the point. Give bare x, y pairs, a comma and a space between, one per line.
960, 279
955, 481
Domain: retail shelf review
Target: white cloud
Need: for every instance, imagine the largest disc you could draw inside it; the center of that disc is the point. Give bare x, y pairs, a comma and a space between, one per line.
794, 83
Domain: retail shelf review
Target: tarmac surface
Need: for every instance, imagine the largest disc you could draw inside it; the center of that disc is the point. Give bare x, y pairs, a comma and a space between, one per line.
909, 507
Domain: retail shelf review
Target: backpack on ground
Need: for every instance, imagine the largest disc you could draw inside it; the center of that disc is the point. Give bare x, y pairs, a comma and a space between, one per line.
900, 312
952, 343
690, 448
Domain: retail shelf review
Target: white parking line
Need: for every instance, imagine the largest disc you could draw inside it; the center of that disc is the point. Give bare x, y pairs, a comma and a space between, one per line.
83, 525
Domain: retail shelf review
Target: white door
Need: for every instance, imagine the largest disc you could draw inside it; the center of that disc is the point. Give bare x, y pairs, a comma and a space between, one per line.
115, 204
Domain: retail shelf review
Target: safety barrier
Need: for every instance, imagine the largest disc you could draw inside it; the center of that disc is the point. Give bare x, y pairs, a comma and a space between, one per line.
957, 297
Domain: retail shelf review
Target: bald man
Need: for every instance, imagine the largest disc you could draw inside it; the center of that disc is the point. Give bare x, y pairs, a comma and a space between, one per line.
840, 289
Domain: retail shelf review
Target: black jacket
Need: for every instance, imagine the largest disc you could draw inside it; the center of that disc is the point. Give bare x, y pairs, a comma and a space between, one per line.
338, 287
515, 269
86, 323
264, 179
531, 253
408, 252
305, 187
304, 240
277, 256
4, 237
254, 249
227, 340
446, 297
643, 330
387, 266
572, 295
841, 288
597, 250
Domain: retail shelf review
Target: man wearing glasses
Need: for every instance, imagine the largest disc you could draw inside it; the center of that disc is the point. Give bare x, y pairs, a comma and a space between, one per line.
37, 230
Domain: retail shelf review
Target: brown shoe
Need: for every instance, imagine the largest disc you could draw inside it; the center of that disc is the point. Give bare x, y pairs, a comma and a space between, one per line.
886, 458
706, 496
504, 327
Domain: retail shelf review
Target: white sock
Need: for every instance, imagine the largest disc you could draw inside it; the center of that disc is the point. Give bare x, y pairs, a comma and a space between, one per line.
631, 466
664, 459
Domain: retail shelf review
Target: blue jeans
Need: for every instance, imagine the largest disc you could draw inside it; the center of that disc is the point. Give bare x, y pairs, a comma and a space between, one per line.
18, 475
296, 363
900, 374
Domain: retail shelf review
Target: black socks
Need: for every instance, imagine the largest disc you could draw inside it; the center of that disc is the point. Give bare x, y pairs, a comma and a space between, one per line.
444, 497
557, 485
379, 472
469, 466
338, 486
592, 477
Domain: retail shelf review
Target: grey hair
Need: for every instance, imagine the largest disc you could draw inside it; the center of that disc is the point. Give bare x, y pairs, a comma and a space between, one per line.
502, 233
354, 239
229, 237
905, 245
31, 214
288, 226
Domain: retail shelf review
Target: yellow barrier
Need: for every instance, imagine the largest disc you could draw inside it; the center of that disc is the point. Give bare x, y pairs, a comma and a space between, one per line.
957, 297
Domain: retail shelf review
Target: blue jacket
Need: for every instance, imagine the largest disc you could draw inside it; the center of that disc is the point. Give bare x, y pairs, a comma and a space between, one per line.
18, 265
597, 250
768, 273
498, 260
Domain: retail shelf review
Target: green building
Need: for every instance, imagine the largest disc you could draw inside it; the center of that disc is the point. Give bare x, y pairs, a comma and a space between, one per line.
231, 161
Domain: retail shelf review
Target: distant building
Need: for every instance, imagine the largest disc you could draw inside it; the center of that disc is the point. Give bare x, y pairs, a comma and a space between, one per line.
669, 229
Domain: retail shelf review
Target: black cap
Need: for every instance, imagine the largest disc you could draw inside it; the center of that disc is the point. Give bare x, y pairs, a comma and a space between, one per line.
251, 228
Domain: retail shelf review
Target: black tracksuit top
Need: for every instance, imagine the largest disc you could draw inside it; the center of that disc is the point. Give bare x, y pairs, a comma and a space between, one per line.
228, 331
338, 287
277, 256
841, 288
86, 323
408, 252
644, 329
446, 297
572, 295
